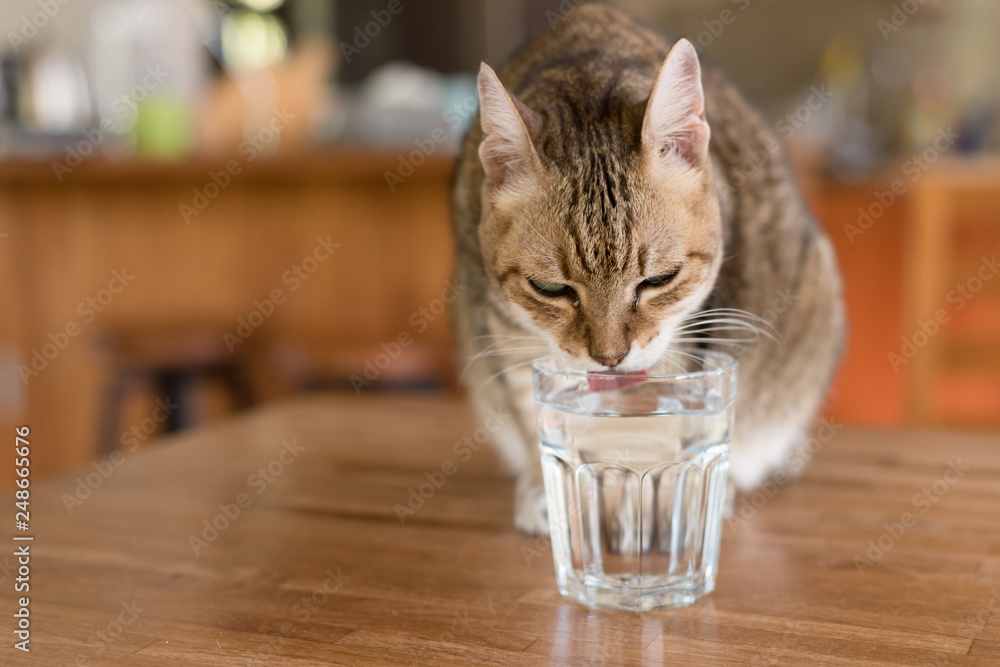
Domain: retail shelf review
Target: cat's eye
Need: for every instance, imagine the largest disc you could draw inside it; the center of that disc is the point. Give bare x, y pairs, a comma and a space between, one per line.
658, 281
652, 283
549, 289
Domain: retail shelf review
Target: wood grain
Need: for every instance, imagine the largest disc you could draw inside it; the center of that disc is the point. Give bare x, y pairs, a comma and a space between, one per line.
319, 570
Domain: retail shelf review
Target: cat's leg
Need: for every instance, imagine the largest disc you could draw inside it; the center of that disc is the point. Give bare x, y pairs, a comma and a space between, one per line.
530, 509
503, 383
759, 451
517, 443
530, 513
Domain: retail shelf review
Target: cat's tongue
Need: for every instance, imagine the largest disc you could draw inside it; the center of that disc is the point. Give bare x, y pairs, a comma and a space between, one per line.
608, 381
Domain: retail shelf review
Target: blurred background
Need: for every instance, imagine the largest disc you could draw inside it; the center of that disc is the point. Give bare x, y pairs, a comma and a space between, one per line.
206, 205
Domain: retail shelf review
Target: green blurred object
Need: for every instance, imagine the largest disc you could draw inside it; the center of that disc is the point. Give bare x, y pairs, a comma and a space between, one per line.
164, 129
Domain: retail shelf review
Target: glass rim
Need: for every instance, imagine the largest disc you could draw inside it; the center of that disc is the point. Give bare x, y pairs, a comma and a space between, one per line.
727, 365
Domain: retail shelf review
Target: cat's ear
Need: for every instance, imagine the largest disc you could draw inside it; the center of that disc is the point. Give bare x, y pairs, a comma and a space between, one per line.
506, 150
675, 123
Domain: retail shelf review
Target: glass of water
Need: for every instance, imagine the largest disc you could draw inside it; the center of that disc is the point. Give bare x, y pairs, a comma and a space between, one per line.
635, 469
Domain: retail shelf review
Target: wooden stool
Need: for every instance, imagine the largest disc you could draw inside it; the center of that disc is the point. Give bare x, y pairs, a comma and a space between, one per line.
172, 361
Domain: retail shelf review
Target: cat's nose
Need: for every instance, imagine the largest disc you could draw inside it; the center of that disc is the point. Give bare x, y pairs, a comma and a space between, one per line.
610, 360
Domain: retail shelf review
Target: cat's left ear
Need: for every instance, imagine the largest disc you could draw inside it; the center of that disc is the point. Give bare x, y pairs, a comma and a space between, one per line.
675, 124
506, 150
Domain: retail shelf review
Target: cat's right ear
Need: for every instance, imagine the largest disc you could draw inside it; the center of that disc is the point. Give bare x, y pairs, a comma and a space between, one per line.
506, 150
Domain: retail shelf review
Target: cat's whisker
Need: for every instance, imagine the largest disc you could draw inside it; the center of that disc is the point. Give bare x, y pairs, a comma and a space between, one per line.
688, 332
673, 362
498, 354
498, 348
500, 338
682, 353
542, 237
731, 341
508, 337
752, 333
728, 311
692, 335
722, 321
689, 355
511, 350
488, 348
719, 321
734, 313
748, 325
728, 319
507, 370
483, 354
671, 350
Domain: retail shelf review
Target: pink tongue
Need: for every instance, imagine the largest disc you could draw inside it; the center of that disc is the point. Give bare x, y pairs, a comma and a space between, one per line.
609, 381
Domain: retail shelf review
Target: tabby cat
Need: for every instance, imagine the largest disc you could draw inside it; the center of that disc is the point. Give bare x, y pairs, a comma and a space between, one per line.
598, 219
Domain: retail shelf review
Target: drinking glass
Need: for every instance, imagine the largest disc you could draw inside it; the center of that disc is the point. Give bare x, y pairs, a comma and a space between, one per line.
635, 469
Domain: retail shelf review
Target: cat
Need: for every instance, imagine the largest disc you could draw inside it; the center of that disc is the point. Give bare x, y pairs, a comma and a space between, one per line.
597, 218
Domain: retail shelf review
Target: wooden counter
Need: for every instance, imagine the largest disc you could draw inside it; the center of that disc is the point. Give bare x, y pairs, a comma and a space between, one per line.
62, 241
318, 569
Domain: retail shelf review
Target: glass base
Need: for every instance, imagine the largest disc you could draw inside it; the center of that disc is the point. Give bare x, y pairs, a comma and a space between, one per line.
600, 595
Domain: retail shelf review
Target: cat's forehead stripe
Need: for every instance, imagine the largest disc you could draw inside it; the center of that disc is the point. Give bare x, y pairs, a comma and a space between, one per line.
598, 211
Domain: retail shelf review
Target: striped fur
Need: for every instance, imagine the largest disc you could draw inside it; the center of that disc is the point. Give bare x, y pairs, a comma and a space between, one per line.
600, 197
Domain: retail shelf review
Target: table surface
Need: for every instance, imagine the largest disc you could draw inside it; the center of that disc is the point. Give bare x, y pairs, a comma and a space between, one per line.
317, 568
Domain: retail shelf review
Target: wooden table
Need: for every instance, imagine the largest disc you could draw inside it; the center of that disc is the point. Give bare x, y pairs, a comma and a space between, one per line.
318, 568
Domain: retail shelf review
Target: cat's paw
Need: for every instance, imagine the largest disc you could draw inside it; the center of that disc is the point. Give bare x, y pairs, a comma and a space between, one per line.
531, 513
